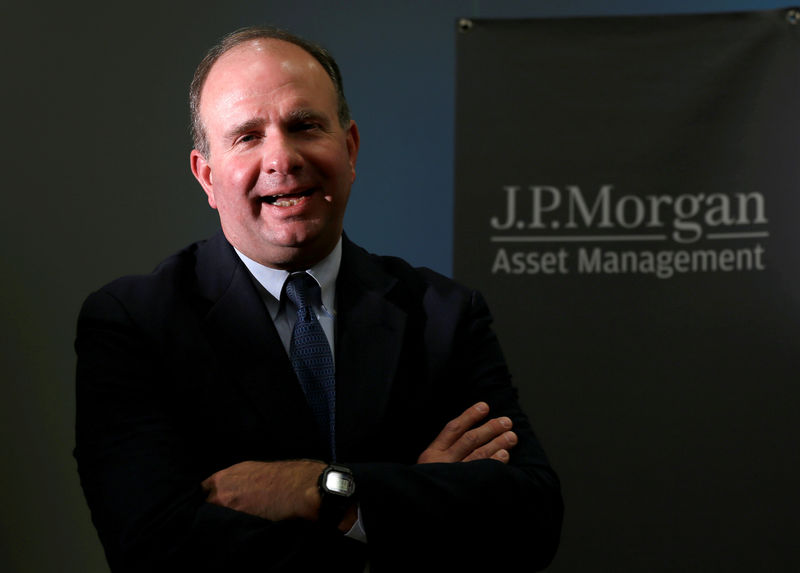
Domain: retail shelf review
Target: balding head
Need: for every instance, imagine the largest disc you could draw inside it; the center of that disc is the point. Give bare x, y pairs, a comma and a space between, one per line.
250, 34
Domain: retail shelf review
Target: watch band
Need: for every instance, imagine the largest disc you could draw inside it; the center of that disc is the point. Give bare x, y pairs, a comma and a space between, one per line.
337, 488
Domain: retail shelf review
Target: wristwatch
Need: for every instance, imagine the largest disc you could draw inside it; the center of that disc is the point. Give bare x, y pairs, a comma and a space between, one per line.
337, 487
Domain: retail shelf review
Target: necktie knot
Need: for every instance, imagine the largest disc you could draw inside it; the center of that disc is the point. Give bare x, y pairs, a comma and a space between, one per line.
302, 290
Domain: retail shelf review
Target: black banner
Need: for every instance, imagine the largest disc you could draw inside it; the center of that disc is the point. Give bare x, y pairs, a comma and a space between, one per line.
627, 198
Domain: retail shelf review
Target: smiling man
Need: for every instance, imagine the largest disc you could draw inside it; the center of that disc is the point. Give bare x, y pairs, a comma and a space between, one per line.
277, 398
279, 162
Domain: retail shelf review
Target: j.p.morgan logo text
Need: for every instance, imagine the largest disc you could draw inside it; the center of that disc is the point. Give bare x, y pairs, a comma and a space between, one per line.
608, 231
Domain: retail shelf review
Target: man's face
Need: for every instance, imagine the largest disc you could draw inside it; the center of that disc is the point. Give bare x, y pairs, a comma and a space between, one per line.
280, 165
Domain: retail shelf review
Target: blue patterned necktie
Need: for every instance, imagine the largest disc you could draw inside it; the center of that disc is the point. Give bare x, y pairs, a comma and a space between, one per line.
311, 355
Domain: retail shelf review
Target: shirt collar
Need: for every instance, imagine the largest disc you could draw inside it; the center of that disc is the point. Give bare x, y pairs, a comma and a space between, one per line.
324, 272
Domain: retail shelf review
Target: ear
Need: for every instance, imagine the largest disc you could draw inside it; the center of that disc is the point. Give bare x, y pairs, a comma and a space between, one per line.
202, 172
353, 141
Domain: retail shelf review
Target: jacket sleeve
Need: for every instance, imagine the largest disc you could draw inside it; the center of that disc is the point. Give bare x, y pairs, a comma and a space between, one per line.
482, 515
139, 474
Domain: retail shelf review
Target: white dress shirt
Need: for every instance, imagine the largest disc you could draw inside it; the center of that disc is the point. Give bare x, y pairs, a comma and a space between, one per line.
282, 310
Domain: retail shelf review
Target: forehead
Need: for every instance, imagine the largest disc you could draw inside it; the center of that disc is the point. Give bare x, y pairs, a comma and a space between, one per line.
262, 70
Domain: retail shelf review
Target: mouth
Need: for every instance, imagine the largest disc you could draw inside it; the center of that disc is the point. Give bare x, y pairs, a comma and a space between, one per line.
287, 199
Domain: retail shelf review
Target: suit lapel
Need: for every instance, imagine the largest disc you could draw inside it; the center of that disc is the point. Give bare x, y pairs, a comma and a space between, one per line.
248, 349
369, 339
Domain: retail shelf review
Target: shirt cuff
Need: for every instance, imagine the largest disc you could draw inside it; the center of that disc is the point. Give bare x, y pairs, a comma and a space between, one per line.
357, 531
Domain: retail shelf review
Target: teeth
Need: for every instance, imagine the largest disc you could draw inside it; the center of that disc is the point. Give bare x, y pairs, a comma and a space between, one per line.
286, 202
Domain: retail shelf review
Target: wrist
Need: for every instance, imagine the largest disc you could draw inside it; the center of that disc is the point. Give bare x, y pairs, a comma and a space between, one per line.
310, 499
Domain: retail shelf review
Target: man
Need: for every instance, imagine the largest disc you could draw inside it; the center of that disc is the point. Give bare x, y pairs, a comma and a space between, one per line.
200, 447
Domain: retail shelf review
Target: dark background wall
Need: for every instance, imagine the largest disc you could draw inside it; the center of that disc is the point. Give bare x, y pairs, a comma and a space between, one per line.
96, 184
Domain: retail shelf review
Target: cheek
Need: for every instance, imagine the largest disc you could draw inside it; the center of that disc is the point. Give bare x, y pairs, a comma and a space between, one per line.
338, 166
243, 175
234, 182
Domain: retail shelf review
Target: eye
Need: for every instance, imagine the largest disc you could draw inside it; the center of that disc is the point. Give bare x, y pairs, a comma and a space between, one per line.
305, 126
246, 138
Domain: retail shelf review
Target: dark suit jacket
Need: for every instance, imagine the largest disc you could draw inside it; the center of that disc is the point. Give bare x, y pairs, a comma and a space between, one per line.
181, 373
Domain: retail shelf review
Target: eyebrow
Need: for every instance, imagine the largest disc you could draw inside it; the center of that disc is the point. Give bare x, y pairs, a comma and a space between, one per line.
254, 124
305, 114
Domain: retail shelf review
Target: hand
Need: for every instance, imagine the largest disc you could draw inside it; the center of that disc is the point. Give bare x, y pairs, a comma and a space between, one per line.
272, 490
460, 442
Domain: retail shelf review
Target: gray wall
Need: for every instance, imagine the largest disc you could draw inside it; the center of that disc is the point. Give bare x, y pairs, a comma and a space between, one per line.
96, 147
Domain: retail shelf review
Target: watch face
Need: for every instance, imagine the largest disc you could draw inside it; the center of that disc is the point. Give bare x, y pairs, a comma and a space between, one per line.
338, 483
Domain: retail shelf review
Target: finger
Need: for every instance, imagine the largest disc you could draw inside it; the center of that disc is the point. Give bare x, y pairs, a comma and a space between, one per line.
501, 456
457, 427
478, 438
498, 448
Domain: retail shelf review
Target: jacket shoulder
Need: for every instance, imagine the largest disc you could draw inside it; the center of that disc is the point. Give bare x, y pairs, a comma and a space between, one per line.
181, 281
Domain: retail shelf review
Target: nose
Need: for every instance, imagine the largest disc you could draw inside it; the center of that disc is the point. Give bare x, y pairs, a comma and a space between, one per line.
281, 155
